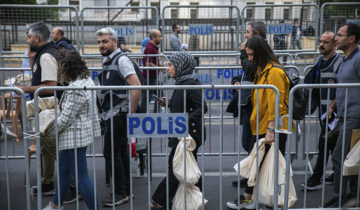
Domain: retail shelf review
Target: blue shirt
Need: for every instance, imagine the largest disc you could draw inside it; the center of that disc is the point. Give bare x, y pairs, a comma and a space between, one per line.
349, 72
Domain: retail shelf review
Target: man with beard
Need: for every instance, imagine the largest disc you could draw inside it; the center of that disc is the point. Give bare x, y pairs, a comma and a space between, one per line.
118, 70
175, 44
323, 72
44, 66
348, 108
57, 35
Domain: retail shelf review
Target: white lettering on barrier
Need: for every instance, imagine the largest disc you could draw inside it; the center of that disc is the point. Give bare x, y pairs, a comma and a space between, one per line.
159, 125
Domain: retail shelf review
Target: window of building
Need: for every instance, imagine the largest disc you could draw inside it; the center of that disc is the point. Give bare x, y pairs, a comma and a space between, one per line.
153, 13
135, 4
174, 13
75, 3
194, 12
250, 11
269, 12
286, 14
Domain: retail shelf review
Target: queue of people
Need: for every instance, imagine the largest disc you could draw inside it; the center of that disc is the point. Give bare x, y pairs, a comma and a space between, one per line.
52, 66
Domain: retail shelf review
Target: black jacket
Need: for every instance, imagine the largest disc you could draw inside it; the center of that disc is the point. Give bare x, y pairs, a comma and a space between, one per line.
193, 108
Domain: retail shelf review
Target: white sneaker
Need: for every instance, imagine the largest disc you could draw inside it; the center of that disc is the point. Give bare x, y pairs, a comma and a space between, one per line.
243, 204
49, 207
6, 131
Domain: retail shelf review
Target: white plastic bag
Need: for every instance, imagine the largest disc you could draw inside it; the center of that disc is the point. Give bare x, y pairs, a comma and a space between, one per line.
193, 198
193, 172
266, 181
248, 165
352, 160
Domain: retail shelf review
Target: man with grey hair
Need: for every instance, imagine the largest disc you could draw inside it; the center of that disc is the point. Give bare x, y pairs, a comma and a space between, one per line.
44, 68
118, 70
252, 28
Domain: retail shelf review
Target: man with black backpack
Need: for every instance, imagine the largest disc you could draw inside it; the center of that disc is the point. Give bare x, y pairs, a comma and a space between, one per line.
118, 70
323, 72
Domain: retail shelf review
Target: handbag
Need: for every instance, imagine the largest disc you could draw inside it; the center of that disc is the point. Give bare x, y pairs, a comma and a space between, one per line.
193, 172
248, 165
266, 181
352, 160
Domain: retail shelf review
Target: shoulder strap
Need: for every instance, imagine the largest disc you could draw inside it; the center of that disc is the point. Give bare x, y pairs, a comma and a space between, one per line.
337, 64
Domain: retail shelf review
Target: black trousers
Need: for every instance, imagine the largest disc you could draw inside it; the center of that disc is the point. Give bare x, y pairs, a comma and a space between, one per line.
159, 195
121, 153
318, 169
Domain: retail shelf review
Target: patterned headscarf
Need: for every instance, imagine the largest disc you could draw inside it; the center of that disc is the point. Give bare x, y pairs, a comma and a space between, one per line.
184, 64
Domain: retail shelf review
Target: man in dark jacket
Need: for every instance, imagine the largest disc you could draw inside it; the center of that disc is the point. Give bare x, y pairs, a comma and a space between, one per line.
323, 72
57, 35
43, 59
253, 28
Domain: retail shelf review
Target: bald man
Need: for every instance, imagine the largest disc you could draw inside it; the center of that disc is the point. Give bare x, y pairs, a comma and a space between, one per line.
57, 35
323, 72
151, 75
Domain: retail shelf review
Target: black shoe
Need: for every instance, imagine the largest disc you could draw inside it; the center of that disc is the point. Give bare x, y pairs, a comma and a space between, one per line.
329, 179
313, 183
334, 203
47, 189
119, 199
71, 196
243, 183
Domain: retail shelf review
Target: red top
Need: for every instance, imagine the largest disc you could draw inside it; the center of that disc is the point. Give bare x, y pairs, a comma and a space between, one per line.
150, 49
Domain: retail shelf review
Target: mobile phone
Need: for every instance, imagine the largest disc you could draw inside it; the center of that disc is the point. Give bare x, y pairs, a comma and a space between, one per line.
156, 97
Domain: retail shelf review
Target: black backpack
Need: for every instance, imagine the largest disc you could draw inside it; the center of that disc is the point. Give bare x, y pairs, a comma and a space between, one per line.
300, 98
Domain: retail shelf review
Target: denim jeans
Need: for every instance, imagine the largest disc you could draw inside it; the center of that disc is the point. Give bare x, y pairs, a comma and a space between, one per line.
67, 171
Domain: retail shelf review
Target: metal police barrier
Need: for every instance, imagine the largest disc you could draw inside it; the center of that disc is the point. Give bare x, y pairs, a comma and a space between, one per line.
335, 14
136, 123
131, 23
308, 133
8, 198
14, 18
204, 27
279, 19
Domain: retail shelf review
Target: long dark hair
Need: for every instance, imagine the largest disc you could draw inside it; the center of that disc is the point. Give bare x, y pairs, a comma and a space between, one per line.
263, 54
71, 66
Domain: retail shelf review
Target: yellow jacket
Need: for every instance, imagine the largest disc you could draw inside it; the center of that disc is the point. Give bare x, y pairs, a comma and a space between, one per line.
278, 78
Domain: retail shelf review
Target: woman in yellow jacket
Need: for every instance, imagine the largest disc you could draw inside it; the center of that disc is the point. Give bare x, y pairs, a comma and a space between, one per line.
265, 71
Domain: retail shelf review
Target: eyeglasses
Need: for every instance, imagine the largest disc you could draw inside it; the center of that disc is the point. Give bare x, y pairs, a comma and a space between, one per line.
340, 35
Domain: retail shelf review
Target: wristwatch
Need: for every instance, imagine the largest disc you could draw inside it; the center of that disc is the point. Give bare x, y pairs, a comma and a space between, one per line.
272, 130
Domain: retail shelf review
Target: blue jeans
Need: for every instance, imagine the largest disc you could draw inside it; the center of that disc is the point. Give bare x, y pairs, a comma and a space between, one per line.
67, 170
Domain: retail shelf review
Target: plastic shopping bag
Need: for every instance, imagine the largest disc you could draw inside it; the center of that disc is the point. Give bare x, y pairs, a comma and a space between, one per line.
132, 141
248, 165
352, 160
266, 181
193, 198
193, 172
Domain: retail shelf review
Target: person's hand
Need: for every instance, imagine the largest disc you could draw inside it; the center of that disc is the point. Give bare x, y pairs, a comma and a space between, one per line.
161, 101
242, 46
269, 137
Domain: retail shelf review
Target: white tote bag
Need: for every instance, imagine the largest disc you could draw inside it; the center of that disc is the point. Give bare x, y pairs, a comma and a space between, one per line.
248, 165
266, 181
193, 172
352, 160
193, 198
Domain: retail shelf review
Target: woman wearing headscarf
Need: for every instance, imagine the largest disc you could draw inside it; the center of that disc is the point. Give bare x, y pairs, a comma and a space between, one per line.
181, 67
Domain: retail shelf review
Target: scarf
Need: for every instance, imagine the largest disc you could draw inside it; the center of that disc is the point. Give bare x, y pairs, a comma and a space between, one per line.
184, 64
